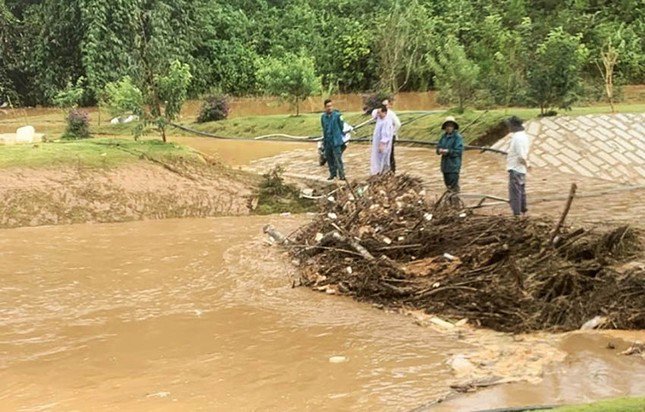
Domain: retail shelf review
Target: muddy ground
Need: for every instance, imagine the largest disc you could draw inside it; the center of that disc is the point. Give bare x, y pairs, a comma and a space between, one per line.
141, 190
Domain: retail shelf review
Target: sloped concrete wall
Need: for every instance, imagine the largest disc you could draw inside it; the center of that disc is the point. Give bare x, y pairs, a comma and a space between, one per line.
609, 147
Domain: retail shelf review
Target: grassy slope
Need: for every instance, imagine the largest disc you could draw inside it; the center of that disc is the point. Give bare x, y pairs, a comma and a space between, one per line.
427, 128
613, 405
93, 153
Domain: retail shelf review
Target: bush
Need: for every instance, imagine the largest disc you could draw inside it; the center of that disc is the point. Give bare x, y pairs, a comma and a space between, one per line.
78, 125
373, 101
215, 108
276, 196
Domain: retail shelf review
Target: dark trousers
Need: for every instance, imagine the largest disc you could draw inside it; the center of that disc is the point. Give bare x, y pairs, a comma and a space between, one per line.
392, 160
517, 192
452, 181
334, 156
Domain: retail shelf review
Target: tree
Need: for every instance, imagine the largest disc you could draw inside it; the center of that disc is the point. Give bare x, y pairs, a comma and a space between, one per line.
160, 104
71, 96
401, 43
110, 35
124, 97
172, 90
609, 57
454, 73
292, 78
503, 67
78, 123
617, 54
554, 73
7, 24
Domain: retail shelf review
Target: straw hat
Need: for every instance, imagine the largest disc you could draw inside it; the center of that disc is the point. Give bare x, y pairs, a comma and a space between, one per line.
452, 120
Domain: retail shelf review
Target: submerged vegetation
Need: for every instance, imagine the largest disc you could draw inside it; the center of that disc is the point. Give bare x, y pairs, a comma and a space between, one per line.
274, 195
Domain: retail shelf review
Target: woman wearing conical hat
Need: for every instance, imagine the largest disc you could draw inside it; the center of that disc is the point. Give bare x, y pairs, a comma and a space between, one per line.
451, 147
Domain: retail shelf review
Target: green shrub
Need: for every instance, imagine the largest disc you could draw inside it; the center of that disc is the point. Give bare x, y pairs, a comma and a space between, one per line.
276, 196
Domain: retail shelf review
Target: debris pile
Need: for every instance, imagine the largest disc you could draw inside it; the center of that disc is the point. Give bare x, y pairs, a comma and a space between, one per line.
382, 241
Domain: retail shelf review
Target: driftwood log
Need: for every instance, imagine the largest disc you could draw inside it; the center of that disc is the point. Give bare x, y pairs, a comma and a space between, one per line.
558, 226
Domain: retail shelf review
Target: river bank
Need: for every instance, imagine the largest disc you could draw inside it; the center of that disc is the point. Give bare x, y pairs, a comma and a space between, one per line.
108, 180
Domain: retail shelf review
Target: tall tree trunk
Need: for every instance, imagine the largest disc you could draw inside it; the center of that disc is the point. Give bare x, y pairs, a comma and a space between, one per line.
609, 58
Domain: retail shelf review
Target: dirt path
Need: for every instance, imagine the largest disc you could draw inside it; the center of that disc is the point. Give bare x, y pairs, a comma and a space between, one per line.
485, 173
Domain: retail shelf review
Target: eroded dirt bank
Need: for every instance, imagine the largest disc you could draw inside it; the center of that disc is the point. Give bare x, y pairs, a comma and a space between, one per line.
134, 191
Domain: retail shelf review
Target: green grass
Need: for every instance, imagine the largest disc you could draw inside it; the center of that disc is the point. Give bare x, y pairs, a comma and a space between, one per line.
474, 123
93, 153
612, 405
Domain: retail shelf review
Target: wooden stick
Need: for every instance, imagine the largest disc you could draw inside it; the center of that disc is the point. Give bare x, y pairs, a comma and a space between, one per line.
335, 237
558, 227
275, 234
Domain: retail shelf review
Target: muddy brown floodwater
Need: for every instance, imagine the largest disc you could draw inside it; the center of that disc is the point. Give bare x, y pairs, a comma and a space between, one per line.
201, 315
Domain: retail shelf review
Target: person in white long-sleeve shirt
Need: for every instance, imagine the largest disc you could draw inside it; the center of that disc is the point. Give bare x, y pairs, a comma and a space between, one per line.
396, 123
381, 143
517, 163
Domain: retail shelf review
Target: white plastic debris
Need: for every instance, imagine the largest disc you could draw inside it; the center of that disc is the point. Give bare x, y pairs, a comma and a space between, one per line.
319, 237
331, 199
307, 192
428, 216
159, 395
449, 256
436, 285
401, 238
338, 359
441, 323
332, 216
349, 270
594, 323
462, 215
461, 365
387, 240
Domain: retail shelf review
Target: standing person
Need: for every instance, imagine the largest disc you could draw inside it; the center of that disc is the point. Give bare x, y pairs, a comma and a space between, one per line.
392, 117
332, 126
381, 143
451, 148
397, 126
517, 162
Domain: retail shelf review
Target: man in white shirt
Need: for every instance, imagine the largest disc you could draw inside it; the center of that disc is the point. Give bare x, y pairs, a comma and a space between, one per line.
517, 162
396, 123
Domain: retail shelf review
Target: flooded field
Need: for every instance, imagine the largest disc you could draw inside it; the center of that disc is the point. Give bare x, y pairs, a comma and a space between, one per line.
201, 315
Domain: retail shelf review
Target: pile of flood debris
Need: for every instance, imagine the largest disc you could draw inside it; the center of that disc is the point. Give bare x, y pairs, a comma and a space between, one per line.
382, 241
